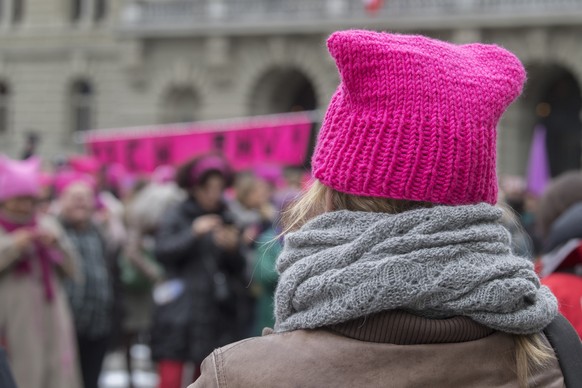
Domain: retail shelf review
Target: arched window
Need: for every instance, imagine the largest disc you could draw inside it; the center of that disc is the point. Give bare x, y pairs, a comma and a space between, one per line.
553, 99
4, 102
282, 90
100, 10
180, 105
82, 98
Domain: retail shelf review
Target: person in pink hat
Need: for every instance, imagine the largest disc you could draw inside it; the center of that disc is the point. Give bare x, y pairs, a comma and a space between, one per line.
35, 257
396, 270
93, 301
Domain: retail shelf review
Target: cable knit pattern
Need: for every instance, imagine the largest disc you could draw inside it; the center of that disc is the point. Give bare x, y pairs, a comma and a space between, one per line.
439, 262
415, 118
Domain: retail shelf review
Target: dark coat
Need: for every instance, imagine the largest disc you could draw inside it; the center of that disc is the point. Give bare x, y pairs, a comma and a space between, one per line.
6, 379
566, 227
198, 321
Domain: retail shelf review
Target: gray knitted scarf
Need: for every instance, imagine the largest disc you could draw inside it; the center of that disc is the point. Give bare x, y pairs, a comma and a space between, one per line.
438, 262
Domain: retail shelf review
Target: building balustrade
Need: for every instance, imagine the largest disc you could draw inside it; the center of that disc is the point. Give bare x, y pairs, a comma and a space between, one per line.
309, 15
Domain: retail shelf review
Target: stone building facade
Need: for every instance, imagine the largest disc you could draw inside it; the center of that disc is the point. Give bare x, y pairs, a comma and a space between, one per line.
71, 65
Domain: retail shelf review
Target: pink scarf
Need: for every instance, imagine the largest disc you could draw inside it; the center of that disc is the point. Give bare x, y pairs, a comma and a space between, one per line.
47, 256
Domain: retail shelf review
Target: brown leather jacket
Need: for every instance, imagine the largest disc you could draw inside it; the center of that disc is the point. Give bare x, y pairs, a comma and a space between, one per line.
391, 349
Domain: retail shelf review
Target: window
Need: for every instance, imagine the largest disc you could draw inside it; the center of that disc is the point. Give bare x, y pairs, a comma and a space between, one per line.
180, 105
81, 10
283, 89
4, 100
82, 96
17, 11
100, 10
76, 10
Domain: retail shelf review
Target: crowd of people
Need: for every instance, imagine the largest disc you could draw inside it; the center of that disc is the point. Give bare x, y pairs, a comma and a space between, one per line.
94, 259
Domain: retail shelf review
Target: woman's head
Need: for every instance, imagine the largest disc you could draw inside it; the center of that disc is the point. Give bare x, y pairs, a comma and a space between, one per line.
20, 186
78, 203
412, 123
205, 178
251, 191
319, 199
66, 178
415, 118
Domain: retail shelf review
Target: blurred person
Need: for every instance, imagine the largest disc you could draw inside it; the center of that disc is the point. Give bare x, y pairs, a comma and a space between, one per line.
294, 181
140, 270
294, 177
265, 277
47, 192
32, 140
273, 175
396, 266
252, 207
92, 300
563, 192
6, 378
163, 174
512, 189
560, 210
517, 199
528, 221
35, 257
521, 242
108, 217
198, 307
84, 164
254, 213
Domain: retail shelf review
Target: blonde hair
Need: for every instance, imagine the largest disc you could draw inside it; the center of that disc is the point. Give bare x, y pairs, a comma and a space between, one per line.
531, 352
315, 201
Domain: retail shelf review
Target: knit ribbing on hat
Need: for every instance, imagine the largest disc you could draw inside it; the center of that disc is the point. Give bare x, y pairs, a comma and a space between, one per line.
415, 118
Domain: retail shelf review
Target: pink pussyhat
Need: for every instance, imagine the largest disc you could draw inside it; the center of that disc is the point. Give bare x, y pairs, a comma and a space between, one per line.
270, 173
19, 178
163, 174
66, 178
415, 118
85, 164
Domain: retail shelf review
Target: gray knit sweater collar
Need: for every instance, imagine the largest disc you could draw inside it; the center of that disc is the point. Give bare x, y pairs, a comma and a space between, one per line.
438, 262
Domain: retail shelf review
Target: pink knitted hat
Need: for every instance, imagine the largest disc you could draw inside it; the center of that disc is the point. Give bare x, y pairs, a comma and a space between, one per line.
163, 174
415, 118
64, 179
85, 164
19, 178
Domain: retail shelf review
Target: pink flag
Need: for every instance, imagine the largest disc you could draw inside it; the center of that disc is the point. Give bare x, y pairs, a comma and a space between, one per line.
538, 169
245, 143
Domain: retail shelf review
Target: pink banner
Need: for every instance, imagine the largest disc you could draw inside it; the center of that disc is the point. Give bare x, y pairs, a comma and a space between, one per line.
245, 143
